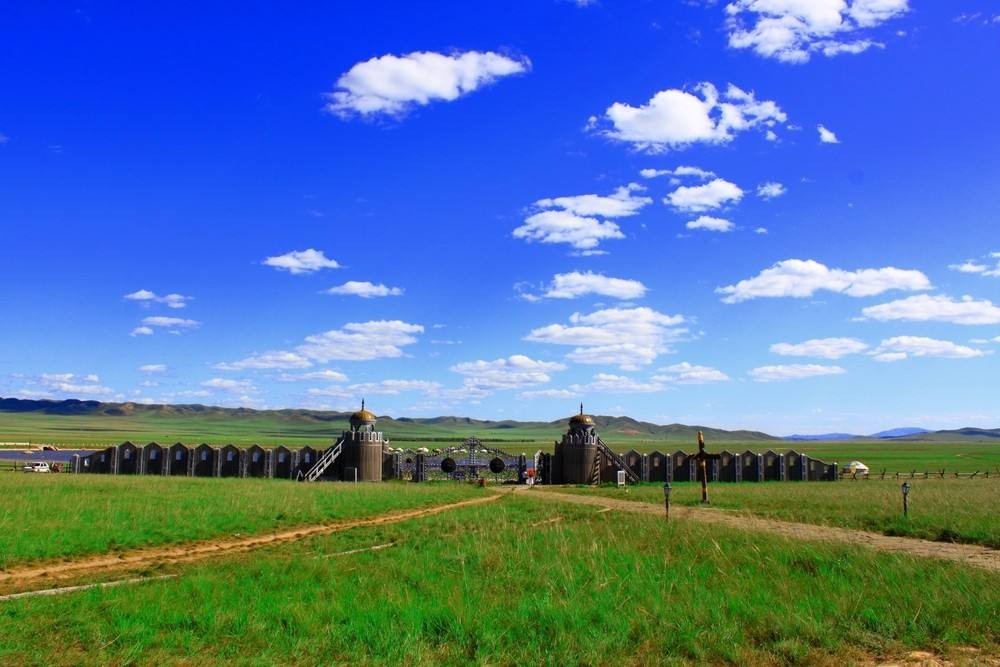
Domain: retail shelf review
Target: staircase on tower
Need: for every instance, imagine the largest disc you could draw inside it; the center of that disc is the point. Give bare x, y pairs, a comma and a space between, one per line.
325, 461
604, 451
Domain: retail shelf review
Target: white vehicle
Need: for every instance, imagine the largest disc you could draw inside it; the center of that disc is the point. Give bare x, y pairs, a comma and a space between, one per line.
37, 466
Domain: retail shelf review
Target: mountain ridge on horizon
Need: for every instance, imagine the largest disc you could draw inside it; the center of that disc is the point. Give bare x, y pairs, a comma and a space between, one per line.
619, 425
623, 426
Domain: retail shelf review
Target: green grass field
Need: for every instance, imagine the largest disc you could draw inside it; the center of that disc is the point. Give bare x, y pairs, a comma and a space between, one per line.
268, 428
522, 582
954, 510
219, 427
56, 516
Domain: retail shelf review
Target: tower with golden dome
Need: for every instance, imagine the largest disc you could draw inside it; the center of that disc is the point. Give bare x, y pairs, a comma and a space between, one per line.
573, 462
363, 447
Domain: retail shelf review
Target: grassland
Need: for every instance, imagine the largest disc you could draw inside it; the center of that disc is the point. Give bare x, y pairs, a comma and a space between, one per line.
70, 424
898, 455
55, 516
522, 582
892, 455
955, 510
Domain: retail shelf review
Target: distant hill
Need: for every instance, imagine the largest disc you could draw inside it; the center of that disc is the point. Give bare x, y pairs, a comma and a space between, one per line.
903, 432
968, 433
81, 422
823, 436
893, 433
42, 417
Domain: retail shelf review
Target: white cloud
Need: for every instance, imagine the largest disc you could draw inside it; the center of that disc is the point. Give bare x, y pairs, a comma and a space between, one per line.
356, 341
170, 322
72, 384
770, 190
174, 324
276, 359
901, 347
826, 136
380, 388
584, 234
711, 224
232, 386
803, 278
365, 290
169, 300
577, 284
300, 262
937, 308
606, 383
326, 374
153, 368
547, 393
575, 220
782, 373
792, 30
824, 348
698, 198
191, 393
969, 266
687, 373
979, 18
625, 337
361, 341
976, 266
760, 230
619, 204
679, 172
513, 372
675, 119
393, 85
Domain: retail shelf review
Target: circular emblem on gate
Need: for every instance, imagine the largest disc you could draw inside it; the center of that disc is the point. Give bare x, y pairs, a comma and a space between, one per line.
497, 465
448, 465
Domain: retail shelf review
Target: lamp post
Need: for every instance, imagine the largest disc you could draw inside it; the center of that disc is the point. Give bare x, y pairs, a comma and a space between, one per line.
906, 491
666, 499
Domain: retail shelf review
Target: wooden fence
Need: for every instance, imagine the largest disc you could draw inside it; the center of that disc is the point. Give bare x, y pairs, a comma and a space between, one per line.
913, 474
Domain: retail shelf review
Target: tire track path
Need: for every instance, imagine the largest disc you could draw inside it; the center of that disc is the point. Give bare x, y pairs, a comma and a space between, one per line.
24, 577
968, 554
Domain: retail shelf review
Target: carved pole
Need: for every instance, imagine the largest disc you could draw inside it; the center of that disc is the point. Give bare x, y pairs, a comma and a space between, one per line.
704, 481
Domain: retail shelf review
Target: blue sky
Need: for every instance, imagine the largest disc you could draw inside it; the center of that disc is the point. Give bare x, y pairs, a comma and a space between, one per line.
493, 197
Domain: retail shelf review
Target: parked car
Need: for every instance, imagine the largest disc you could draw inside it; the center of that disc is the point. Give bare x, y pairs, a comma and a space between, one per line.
37, 466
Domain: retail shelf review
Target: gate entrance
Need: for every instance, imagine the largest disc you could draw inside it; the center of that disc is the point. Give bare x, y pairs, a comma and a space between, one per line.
469, 461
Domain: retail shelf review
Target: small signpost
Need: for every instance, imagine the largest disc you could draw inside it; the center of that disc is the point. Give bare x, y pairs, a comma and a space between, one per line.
702, 457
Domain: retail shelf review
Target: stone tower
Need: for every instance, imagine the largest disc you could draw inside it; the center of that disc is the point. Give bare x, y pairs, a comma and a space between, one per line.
576, 452
363, 447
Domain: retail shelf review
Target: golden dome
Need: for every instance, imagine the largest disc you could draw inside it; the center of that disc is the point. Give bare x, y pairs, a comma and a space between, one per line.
581, 419
363, 415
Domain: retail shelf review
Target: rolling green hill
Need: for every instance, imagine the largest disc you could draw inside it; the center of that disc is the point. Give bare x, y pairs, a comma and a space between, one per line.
93, 422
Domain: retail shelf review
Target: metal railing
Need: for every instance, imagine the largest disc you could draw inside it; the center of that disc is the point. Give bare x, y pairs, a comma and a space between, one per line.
324, 462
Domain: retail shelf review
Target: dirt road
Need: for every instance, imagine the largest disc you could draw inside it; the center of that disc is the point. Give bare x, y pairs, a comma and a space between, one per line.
970, 554
35, 574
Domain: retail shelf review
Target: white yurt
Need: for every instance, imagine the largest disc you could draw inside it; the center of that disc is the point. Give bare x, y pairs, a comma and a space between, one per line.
856, 467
